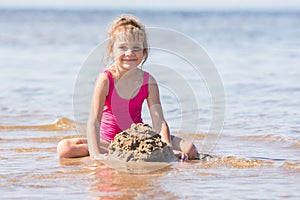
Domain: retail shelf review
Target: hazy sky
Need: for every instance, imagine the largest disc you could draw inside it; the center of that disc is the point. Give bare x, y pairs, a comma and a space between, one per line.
154, 4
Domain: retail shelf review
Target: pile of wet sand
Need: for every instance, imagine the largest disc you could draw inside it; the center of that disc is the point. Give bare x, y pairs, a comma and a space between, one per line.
140, 143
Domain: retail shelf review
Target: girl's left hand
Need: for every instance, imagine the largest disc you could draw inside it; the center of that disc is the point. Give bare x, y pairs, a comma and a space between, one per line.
182, 156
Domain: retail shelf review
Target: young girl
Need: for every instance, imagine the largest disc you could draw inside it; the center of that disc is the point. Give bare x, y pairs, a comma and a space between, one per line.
119, 94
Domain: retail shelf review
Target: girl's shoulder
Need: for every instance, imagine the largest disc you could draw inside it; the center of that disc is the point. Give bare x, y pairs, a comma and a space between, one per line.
151, 78
101, 85
103, 76
103, 79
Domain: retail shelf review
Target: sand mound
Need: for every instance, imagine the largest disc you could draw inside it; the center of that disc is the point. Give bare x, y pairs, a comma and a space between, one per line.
140, 143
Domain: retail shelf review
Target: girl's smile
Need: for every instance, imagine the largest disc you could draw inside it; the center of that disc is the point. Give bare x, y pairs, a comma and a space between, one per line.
129, 59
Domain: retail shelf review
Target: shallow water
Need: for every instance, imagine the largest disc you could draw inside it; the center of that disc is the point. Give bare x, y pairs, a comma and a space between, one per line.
257, 156
30, 169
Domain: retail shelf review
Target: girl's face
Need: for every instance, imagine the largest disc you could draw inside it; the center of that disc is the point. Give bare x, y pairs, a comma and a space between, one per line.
128, 54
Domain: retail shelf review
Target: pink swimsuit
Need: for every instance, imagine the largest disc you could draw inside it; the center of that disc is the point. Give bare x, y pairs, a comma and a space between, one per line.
119, 113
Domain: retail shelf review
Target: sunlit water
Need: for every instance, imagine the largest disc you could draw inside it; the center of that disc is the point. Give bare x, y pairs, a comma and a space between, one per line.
258, 155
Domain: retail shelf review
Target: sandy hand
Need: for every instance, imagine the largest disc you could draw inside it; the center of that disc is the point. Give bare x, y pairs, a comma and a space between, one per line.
182, 156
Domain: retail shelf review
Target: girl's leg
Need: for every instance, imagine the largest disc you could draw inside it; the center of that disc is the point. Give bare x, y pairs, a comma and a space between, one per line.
184, 146
72, 148
77, 147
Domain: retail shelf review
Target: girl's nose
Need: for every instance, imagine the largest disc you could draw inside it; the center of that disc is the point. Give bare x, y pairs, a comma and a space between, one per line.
128, 52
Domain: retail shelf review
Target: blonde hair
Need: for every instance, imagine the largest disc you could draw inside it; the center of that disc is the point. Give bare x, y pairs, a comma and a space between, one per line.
127, 28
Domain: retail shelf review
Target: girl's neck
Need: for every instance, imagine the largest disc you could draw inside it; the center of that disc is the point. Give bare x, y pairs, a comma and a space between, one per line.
119, 72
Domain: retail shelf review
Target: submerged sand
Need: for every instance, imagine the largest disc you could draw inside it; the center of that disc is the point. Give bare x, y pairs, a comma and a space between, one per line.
140, 143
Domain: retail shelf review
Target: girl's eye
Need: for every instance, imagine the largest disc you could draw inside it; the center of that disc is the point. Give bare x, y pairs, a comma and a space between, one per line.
136, 49
123, 48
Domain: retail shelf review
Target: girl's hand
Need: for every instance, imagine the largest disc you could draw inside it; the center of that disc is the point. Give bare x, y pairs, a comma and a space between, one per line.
182, 156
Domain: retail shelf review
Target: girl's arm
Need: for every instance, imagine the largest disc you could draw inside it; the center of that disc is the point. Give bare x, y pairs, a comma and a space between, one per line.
95, 115
158, 122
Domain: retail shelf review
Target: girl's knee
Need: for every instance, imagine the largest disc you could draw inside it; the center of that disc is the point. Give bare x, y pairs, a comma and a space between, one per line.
192, 152
72, 148
64, 148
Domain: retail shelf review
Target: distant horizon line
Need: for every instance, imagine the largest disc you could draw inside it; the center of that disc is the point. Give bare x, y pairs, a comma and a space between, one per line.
206, 9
